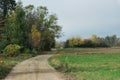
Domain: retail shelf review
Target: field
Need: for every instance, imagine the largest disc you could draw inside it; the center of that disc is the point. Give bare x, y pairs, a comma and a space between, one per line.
81, 64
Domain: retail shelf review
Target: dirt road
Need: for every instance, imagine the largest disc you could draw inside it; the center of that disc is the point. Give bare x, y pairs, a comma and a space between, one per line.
36, 68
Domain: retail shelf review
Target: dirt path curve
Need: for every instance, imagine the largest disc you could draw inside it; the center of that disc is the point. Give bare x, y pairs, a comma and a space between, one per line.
36, 68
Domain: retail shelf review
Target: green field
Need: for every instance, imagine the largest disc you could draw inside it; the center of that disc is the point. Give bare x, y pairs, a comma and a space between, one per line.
89, 66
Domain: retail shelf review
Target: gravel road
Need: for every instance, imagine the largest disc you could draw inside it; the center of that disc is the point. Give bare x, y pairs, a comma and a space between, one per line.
36, 68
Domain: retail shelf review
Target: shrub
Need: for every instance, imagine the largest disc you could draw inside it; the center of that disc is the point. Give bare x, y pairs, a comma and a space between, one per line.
60, 66
4, 70
55, 63
11, 50
34, 52
27, 51
3, 43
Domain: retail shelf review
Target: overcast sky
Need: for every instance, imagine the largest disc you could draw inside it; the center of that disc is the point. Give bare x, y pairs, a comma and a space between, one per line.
82, 18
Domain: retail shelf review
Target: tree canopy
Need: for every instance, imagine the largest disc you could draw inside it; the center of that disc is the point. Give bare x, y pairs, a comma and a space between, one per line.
94, 41
30, 27
6, 6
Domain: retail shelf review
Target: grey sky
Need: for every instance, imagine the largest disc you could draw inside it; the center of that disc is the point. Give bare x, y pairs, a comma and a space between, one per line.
84, 17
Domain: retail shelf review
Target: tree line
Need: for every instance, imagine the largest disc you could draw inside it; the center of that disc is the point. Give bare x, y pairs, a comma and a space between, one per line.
94, 41
29, 27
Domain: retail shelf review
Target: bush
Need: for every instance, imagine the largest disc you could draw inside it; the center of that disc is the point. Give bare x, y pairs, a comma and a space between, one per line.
27, 51
11, 50
3, 44
34, 52
4, 70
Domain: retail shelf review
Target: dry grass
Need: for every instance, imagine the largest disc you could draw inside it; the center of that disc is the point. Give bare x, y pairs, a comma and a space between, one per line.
90, 50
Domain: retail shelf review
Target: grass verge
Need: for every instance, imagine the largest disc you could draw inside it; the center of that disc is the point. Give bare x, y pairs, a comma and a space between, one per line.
6, 64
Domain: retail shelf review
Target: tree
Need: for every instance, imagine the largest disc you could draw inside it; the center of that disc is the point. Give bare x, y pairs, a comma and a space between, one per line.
102, 42
95, 40
47, 25
30, 16
19, 30
111, 40
15, 27
35, 37
6, 6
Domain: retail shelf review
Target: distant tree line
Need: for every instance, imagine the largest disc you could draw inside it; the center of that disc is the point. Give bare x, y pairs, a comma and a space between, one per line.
94, 41
29, 27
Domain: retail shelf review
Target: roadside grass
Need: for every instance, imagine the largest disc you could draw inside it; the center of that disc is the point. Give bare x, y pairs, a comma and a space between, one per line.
88, 66
6, 64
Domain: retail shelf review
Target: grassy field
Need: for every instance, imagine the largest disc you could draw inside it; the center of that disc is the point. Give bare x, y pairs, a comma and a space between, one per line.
6, 64
88, 66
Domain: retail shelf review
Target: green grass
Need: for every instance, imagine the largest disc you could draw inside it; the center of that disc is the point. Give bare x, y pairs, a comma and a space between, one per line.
6, 64
89, 66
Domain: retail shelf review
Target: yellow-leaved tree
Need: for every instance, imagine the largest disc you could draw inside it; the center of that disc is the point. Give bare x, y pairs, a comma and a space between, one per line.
35, 37
94, 39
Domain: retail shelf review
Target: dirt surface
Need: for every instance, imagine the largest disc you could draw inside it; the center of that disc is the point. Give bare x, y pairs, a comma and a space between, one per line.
36, 68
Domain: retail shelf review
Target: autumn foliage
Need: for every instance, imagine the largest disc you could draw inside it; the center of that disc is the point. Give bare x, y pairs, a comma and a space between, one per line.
35, 37
93, 41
